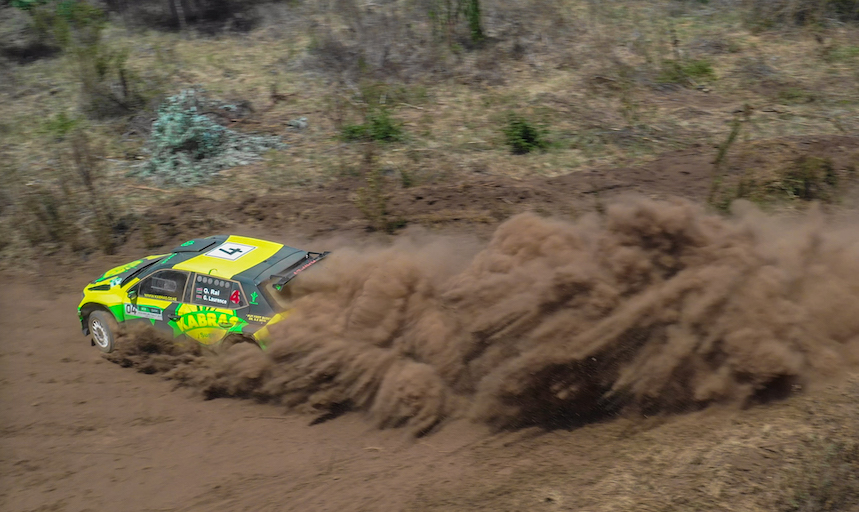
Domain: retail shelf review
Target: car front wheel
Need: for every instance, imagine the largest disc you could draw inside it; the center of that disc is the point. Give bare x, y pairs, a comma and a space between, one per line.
103, 328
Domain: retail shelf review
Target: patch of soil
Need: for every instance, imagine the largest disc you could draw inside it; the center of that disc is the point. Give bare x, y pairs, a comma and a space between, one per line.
80, 433
482, 202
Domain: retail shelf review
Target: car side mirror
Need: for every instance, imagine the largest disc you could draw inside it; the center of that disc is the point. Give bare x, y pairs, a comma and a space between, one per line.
132, 294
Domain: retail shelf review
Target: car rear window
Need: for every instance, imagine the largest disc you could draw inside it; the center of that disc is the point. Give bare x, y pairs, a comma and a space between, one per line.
217, 292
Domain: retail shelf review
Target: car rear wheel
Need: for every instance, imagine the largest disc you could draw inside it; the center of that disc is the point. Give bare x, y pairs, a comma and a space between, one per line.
103, 327
228, 342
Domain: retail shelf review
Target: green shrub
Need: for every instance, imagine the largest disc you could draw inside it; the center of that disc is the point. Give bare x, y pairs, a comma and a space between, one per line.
60, 125
675, 72
378, 126
189, 147
26, 5
794, 95
445, 15
522, 136
841, 53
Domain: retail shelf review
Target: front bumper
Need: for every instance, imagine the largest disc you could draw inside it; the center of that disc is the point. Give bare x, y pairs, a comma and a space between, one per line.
84, 324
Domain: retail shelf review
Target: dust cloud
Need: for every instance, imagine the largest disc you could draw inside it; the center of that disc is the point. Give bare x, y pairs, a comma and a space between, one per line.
652, 307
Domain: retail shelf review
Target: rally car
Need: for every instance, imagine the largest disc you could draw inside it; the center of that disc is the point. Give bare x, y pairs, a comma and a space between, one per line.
215, 290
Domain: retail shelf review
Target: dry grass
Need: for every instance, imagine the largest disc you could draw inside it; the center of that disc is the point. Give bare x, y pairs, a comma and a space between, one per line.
593, 73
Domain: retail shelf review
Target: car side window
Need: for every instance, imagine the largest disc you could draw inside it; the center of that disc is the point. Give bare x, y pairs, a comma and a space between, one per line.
217, 292
164, 285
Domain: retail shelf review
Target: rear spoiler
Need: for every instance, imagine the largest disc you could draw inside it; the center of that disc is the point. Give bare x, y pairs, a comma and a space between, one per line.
287, 275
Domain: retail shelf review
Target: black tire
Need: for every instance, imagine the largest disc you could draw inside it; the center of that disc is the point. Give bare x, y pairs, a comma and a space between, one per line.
103, 328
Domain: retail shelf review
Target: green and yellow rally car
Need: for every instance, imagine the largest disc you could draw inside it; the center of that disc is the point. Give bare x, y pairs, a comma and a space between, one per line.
216, 290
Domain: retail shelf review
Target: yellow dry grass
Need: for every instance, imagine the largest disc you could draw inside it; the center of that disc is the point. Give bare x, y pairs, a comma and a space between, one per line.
591, 80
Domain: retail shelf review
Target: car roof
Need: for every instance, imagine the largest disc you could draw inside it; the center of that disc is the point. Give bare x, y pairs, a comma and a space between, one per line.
228, 255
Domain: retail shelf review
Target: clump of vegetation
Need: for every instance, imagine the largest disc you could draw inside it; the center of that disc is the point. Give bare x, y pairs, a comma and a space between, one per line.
809, 179
372, 103
839, 53
828, 478
372, 199
108, 87
446, 15
188, 147
72, 209
768, 14
60, 125
523, 136
681, 72
378, 126
794, 95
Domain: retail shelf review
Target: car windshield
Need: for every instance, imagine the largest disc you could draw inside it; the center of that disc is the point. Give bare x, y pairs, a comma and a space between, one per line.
139, 269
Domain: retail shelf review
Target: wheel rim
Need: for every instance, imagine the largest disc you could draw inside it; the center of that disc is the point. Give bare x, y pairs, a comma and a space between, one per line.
99, 333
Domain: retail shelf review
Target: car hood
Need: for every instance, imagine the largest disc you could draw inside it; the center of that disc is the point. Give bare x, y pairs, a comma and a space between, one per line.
122, 271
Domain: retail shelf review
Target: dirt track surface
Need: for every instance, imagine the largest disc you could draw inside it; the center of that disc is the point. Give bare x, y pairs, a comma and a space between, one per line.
80, 433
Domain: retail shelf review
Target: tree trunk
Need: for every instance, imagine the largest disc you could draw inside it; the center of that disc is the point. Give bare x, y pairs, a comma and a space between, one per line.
178, 12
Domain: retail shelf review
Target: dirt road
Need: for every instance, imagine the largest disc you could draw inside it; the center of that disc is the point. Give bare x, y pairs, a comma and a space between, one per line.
80, 433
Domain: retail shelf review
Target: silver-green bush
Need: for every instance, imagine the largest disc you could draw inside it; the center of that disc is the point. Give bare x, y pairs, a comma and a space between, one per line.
187, 146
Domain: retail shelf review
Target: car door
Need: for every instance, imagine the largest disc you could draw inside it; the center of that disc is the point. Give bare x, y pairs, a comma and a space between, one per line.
211, 310
156, 298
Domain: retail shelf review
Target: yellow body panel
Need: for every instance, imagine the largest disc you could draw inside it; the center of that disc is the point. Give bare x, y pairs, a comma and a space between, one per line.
227, 268
206, 325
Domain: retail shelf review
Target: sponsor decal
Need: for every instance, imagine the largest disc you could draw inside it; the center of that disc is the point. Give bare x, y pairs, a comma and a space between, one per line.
207, 319
259, 318
186, 244
150, 312
206, 325
158, 297
303, 267
230, 251
212, 295
115, 281
216, 292
254, 296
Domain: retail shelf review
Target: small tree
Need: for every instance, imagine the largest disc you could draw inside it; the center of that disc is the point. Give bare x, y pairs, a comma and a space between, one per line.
522, 136
446, 15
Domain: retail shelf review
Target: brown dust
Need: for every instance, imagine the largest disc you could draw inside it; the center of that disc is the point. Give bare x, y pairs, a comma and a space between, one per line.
653, 307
